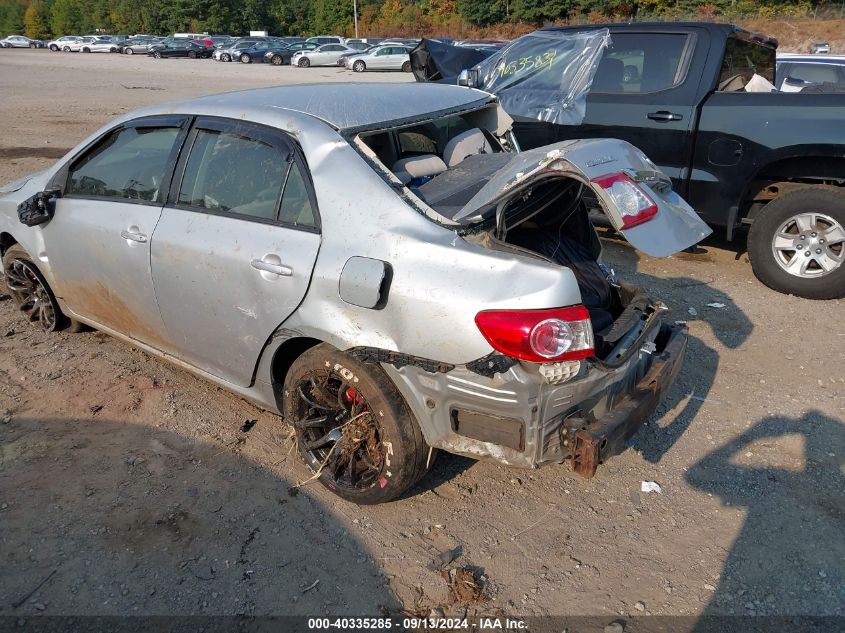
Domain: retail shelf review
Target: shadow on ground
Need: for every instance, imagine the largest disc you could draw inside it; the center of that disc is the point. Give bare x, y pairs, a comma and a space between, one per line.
788, 475
190, 527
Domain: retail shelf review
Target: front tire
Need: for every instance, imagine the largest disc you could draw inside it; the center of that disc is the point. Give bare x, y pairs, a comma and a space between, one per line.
797, 243
406, 67
225, 58
54, 48
192, 54
246, 59
30, 292
86, 50
277, 60
359, 66
157, 55
350, 419
304, 62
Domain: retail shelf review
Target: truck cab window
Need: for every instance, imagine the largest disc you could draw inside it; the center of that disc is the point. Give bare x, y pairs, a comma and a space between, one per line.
744, 59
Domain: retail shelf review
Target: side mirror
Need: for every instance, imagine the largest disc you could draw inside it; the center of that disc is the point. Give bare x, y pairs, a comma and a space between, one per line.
39, 208
469, 78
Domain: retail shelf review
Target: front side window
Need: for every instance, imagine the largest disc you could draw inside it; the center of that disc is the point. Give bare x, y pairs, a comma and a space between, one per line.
641, 63
235, 174
129, 163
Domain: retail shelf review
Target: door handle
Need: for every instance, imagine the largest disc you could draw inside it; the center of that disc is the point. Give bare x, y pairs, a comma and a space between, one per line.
268, 267
663, 115
135, 237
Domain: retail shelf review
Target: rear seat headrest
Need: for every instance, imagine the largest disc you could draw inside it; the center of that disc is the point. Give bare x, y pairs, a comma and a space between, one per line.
407, 169
466, 144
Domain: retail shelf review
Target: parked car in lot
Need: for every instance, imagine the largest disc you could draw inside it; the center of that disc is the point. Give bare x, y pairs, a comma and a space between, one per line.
253, 53
20, 41
63, 43
179, 48
768, 162
97, 44
382, 58
325, 55
480, 320
280, 56
137, 45
797, 72
232, 52
821, 48
325, 39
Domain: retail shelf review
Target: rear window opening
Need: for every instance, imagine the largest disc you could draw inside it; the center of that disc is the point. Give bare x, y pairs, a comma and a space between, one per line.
416, 154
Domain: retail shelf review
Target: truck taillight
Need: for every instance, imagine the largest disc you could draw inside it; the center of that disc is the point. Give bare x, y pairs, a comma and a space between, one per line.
539, 336
635, 205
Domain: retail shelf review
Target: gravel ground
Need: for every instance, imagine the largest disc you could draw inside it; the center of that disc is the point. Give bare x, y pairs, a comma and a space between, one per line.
133, 488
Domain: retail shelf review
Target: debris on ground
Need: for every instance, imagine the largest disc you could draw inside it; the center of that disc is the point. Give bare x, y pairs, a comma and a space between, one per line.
444, 558
693, 312
247, 425
313, 585
464, 586
715, 304
651, 486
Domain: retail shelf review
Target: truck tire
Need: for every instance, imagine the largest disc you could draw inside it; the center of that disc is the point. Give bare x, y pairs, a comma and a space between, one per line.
352, 426
797, 243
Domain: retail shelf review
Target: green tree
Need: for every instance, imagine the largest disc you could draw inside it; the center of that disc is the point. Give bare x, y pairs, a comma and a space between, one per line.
483, 12
66, 17
11, 18
35, 21
540, 12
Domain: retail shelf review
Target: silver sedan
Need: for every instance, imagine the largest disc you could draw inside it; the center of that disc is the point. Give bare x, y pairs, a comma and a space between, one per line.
376, 263
325, 55
382, 58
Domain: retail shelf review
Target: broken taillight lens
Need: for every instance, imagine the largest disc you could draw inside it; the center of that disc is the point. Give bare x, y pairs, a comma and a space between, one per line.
539, 336
634, 204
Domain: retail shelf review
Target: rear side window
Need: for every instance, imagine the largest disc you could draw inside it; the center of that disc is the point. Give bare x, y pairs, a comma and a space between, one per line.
641, 63
814, 73
297, 208
744, 59
234, 174
130, 163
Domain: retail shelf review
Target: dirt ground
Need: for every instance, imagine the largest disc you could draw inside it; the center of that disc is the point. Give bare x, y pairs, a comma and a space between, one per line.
132, 487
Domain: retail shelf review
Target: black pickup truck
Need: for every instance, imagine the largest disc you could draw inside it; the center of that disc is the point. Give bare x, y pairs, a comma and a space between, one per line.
774, 162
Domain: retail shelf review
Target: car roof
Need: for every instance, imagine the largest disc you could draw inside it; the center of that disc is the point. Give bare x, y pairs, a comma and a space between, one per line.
815, 59
346, 107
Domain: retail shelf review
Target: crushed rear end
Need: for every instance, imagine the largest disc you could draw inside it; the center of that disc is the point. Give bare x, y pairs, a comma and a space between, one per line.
539, 399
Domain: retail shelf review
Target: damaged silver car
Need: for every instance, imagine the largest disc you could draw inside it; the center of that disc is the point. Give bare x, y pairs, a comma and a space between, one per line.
377, 263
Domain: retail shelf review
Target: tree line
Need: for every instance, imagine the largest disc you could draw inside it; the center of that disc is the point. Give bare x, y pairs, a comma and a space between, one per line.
456, 18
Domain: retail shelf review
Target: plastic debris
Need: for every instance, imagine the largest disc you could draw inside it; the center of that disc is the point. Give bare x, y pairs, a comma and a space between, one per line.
651, 486
692, 311
715, 304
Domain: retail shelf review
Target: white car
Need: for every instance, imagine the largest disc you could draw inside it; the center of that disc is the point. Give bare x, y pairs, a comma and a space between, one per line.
63, 43
326, 55
98, 44
20, 41
382, 58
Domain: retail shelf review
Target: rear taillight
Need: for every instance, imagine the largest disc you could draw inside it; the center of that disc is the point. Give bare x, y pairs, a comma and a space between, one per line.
635, 205
539, 336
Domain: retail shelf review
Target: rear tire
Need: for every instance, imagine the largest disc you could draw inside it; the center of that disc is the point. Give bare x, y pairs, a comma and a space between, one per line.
406, 67
30, 291
814, 220
380, 452
66, 49
192, 54
86, 50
